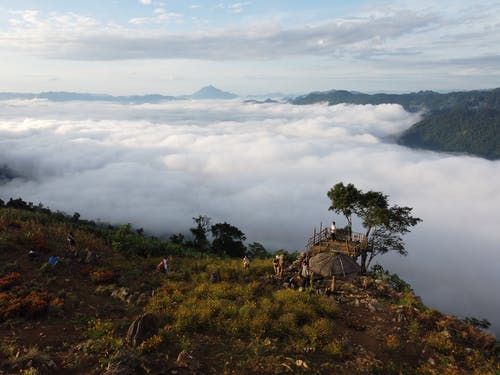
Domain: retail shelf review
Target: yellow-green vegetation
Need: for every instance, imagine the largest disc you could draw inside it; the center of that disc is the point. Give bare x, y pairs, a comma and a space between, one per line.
78, 313
241, 307
101, 338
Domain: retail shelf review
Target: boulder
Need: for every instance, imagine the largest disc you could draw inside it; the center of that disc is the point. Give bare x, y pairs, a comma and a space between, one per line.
186, 360
121, 293
142, 328
91, 257
124, 363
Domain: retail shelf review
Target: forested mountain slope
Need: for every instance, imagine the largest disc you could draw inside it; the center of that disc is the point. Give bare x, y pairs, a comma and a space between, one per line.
463, 122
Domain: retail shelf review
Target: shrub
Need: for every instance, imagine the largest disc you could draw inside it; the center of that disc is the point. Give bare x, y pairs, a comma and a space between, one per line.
102, 276
35, 304
101, 339
409, 299
392, 343
397, 283
336, 348
439, 341
151, 344
8, 281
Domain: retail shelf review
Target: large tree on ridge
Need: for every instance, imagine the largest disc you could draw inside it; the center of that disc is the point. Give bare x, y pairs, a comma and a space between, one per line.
384, 225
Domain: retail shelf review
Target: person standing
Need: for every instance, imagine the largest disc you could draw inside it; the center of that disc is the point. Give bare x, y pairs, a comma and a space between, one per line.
164, 265
305, 272
333, 231
281, 265
276, 262
246, 262
71, 244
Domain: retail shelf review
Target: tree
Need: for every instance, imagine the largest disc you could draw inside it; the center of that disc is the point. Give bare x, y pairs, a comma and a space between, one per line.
177, 239
200, 232
384, 225
344, 201
256, 250
228, 240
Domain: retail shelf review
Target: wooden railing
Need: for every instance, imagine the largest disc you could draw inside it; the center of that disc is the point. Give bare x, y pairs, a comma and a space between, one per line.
323, 237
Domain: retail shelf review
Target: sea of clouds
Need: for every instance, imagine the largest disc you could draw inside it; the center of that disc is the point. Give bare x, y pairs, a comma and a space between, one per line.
264, 168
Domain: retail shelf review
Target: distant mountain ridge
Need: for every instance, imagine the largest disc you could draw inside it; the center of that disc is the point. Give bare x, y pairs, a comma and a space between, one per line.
211, 92
208, 92
462, 122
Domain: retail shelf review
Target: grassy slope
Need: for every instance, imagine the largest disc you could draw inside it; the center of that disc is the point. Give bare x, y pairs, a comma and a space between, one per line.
62, 320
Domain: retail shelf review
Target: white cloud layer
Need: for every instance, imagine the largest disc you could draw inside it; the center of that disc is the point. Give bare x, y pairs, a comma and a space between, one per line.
266, 169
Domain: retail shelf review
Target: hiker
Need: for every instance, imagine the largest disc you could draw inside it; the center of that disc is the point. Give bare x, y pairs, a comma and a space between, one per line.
215, 276
246, 262
33, 254
71, 244
331, 289
164, 265
281, 265
53, 260
333, 230
276, 262
305, 272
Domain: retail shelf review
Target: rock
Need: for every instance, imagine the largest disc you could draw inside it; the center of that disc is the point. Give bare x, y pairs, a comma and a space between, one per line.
121, 294
301, 363
131, 299
366, 282
91, 257
154, 364
142, 328
446, 334
125, 363
186, 360
142, 299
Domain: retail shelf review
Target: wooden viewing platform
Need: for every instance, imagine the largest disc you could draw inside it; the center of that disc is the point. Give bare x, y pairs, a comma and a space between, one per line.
322, 241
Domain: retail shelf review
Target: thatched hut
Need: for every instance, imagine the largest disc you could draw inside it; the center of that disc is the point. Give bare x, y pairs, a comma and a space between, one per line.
333, 264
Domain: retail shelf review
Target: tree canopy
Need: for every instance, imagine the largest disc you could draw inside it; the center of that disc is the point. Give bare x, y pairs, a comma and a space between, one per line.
384, 225
200, 232
228, 240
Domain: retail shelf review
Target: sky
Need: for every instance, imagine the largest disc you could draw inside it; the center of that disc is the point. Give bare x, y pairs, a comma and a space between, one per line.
248, 47
266, 169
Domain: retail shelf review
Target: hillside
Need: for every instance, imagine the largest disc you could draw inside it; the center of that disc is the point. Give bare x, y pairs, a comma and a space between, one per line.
463, 122
74, 317
476, 132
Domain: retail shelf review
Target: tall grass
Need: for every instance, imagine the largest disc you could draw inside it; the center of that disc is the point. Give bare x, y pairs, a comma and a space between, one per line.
242, 305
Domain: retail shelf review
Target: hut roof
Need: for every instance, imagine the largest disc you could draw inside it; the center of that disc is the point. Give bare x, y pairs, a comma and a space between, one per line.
331, 263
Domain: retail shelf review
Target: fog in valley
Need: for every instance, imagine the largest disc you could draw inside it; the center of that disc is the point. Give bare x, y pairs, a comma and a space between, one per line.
264, 168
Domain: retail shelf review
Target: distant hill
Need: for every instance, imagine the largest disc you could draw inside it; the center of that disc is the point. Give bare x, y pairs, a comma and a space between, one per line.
64, 96
463, 122
475, 132
211, 92
208, 92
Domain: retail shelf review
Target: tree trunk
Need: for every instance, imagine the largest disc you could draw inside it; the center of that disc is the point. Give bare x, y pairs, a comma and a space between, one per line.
363, 262
364, 252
